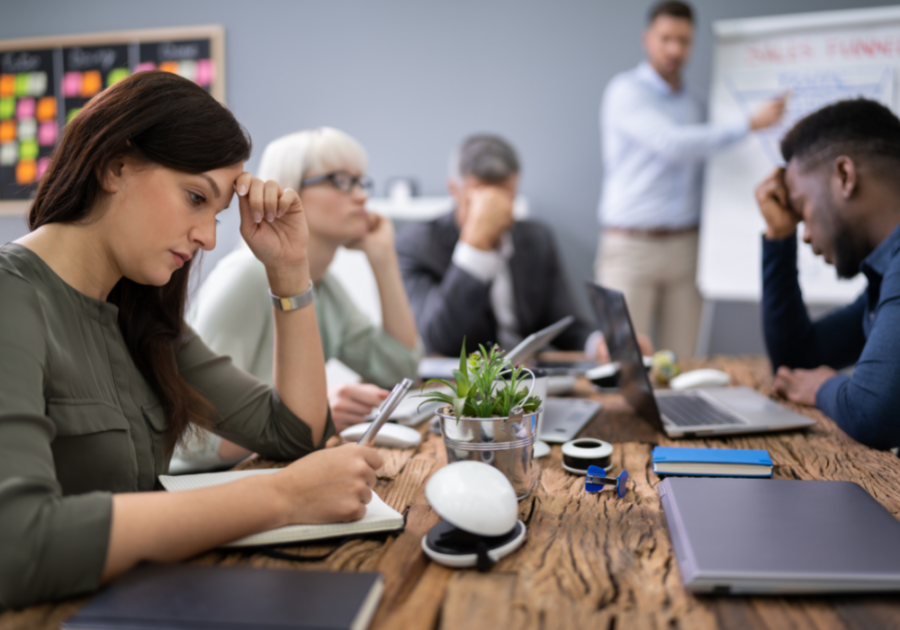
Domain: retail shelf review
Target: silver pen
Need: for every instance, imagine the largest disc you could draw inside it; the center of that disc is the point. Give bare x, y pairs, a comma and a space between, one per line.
384, 412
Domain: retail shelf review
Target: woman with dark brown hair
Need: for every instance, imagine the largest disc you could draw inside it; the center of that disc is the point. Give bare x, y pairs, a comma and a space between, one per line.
100, 377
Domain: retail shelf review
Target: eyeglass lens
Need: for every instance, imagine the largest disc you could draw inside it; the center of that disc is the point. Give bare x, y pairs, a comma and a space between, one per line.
345, 182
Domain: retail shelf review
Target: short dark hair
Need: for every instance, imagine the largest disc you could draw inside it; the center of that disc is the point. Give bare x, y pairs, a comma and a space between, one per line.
488, 158
672, 8
860, 128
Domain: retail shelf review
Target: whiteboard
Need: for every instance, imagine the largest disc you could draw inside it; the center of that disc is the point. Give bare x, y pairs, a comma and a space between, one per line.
820, 58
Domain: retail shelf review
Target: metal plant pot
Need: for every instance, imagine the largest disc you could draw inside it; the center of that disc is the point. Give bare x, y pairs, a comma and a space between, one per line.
507, 444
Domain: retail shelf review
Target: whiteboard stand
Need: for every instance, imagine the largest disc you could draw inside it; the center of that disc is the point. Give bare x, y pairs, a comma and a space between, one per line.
704, 333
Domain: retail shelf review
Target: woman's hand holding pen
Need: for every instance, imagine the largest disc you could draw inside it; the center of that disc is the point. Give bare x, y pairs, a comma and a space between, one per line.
329, 486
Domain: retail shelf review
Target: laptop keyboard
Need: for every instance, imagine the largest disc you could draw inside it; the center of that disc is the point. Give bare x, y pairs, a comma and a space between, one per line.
690, 411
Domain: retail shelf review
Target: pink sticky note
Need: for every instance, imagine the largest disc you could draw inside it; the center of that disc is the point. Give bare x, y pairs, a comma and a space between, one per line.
71, 85
25, 108
205, 74
47, 133
42, 165
147, 65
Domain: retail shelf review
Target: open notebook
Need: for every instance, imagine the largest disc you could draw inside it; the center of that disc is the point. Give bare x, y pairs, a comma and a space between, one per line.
380, 517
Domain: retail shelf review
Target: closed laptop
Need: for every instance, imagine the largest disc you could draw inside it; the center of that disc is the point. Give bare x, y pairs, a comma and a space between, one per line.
775, 536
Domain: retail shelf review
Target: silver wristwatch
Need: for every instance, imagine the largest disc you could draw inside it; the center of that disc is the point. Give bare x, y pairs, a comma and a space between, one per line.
293, 303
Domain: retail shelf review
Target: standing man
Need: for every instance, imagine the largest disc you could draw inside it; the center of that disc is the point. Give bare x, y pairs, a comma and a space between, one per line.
654, 145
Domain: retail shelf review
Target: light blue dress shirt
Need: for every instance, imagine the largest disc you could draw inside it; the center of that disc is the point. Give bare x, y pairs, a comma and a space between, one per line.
654, 143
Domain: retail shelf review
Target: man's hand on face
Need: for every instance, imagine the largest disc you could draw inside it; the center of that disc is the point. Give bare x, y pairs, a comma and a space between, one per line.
490, 214
772, 197
801, 386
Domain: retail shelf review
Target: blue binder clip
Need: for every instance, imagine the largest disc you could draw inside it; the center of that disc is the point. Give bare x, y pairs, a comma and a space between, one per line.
596, 478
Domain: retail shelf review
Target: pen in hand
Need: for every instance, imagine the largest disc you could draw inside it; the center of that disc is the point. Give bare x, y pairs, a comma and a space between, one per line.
385, 411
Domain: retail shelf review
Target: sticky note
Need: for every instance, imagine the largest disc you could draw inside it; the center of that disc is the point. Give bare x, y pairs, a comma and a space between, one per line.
169, 66
42, 166
188, 69
27, 129
46, 108
9, 153
72, 113
47, 133
28, 150
91, 83
145, 66
7, 130
7, 108
37, 83
26, 172
115, 75
25, 108
205, 74
7, 85
71, 84
23, 80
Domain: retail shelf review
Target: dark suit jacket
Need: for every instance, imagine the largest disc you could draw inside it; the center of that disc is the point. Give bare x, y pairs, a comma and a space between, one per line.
450, 304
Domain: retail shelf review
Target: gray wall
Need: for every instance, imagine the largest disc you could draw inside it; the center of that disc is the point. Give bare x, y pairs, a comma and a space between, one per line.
410, 78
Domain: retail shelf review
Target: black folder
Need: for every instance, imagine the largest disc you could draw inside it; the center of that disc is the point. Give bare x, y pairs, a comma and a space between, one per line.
195, 597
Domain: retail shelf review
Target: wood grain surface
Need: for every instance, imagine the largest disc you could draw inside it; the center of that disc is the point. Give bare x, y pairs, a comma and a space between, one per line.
589, 560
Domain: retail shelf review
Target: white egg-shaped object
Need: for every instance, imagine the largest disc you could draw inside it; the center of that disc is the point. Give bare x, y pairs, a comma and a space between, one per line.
475, 497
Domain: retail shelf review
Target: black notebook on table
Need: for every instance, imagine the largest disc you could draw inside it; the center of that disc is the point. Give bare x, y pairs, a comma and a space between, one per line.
195, 597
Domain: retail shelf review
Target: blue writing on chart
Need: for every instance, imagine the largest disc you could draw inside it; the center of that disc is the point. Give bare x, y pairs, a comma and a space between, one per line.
810, 89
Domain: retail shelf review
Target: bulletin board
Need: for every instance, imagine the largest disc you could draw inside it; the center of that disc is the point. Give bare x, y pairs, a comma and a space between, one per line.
45, 81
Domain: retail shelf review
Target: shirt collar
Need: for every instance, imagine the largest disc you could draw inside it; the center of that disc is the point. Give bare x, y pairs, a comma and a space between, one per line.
879, 260
650, 76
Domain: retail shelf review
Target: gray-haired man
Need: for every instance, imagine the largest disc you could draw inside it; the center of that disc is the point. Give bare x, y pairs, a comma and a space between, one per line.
477, 273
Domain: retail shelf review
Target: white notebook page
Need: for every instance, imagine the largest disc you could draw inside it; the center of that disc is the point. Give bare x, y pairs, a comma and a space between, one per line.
380, 517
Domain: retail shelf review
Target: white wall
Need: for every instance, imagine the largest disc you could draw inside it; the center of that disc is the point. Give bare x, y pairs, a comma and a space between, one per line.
411, 78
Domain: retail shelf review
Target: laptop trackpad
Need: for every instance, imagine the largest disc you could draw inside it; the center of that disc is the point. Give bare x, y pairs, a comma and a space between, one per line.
752, 405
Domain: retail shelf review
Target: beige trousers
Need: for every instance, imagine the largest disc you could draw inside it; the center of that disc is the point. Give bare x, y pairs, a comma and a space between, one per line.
658, 275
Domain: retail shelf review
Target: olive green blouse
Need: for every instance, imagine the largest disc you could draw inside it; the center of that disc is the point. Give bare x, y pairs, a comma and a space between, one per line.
78, 422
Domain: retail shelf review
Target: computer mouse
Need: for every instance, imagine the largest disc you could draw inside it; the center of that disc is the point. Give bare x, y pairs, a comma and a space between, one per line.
700, 378
475, 497
389, 435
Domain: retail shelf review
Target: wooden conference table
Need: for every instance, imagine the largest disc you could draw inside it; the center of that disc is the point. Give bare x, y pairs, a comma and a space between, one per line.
590, 561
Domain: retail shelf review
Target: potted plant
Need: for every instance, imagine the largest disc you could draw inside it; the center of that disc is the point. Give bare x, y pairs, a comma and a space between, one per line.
490, 415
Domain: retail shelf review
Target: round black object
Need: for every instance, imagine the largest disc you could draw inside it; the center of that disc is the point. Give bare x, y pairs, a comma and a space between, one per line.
450, 540
580, 463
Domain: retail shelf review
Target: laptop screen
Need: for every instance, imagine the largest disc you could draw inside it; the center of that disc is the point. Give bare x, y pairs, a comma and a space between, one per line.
615, 324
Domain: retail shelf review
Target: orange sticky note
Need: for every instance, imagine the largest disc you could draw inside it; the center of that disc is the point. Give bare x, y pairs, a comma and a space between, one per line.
46, 108
91, 83
169, 66
26, 172
7, 130
7, 85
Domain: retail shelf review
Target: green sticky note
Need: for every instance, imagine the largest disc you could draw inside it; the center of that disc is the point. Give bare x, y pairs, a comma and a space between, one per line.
28, 150
23, 83
7, 108
72, 113
115, 75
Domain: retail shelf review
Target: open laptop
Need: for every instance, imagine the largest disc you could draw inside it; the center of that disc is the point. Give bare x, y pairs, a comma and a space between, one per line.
442, 367
714, 411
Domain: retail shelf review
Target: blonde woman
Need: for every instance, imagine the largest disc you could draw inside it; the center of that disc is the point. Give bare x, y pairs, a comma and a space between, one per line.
233, 314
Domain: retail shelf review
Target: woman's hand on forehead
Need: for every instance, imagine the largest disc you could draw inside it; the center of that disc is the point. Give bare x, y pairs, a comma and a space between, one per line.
272, 221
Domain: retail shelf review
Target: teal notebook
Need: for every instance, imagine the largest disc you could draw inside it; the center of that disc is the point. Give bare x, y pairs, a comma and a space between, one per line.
711, 462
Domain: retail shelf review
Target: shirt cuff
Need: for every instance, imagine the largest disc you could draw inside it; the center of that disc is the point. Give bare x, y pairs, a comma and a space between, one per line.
590, 346
738, 129
483, 266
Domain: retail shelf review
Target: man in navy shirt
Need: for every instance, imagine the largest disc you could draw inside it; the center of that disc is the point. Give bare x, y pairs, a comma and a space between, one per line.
842, 182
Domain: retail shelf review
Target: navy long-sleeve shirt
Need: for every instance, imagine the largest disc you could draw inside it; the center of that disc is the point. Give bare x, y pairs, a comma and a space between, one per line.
865, 405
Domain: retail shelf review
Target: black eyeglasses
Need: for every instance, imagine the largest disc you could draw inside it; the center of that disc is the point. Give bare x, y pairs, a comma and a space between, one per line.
342, 180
